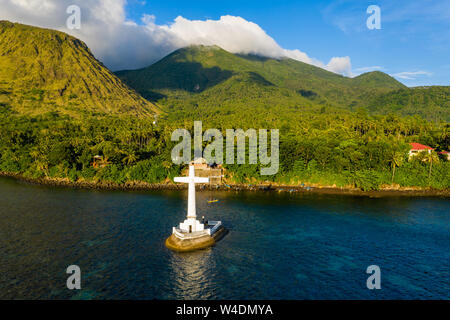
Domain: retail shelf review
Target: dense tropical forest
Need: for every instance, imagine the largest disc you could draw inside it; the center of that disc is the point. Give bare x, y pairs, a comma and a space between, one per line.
325, 148
334, 131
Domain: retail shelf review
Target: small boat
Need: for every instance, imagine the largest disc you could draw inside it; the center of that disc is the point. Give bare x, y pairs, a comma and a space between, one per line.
212, 201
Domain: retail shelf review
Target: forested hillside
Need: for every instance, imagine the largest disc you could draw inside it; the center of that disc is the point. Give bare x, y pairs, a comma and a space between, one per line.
199, 75
49, 71
431, 102
343, 150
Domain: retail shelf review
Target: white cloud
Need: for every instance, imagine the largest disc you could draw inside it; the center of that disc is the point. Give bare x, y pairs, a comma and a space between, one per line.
340, 65
411, 75
123, 44
368, 69
359, 71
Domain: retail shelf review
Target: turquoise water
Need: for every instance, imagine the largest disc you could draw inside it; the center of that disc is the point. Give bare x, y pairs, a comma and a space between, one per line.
280, 246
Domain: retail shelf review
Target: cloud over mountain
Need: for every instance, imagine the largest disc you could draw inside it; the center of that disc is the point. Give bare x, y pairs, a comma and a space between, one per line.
125, 44
411, 75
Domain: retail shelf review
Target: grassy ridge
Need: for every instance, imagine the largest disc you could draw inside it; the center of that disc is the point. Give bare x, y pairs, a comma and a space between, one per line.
44, 70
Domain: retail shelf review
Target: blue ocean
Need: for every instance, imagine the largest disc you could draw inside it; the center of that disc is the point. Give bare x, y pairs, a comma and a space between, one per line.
279, 245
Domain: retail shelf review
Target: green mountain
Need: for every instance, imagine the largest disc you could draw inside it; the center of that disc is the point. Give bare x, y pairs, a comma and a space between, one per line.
45, 70
199, 69
431, 102
378, 79
208, 77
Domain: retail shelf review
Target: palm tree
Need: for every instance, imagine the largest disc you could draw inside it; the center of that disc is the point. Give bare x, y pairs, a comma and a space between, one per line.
431, 157
167, 164
397, 159
130, 158
42, 166
40, 161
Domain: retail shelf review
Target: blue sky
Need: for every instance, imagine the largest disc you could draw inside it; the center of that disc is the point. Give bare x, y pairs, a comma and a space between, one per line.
413, 43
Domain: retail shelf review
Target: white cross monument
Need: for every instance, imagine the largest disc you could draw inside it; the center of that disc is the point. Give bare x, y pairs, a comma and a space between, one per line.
191, 224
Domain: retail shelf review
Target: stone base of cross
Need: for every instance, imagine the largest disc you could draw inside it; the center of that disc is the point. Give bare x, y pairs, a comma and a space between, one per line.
191, 224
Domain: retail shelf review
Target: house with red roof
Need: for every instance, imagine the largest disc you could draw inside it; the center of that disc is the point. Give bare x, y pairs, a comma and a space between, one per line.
417, 147
446, 154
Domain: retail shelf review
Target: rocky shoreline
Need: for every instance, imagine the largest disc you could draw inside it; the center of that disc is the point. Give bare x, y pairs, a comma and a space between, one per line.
144, 186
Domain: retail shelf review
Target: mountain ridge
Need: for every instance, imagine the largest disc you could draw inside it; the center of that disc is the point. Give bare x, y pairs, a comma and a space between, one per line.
203, 55
202, 74
213, 65
378, 78
46, 70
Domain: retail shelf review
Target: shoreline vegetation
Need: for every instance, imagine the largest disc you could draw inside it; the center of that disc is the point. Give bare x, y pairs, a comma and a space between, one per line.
384, 191
369, 154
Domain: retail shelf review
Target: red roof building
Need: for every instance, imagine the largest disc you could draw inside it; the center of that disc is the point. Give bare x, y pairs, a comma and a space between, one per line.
445, 154
417, 147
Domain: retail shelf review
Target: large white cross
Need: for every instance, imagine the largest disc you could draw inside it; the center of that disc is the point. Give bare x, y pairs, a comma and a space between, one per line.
192, 180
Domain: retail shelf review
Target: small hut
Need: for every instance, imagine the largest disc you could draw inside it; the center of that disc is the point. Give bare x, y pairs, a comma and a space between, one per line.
212, 171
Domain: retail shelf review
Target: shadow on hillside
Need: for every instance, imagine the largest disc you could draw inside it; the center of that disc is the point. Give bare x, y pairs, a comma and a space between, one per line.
307, 93
253, 57
257, 78
189, 76
153, 96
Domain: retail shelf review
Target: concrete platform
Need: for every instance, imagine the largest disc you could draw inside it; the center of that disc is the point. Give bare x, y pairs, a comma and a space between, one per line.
196, 242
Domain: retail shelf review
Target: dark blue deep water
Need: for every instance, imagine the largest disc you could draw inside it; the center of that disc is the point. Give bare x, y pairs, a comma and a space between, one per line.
280, 246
